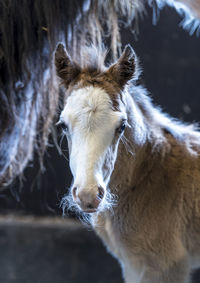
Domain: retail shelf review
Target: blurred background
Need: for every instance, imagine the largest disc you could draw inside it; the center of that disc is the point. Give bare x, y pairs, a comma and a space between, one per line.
38, 244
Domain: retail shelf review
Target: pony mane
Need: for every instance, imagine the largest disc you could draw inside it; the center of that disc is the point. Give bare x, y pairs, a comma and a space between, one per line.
164, 121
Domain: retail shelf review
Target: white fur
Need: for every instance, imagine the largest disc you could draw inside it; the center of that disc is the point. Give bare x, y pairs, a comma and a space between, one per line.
92, 124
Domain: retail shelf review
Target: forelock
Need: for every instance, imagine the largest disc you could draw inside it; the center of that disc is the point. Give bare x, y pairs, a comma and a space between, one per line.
91, 58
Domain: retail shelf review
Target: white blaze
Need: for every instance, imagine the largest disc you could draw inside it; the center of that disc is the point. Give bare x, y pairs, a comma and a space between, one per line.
92, 124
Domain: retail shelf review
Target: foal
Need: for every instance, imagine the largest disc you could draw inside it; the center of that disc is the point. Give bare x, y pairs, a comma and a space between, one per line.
121, 145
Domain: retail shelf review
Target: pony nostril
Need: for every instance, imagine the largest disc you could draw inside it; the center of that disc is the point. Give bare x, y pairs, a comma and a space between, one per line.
100, 193
74, 192
90, 206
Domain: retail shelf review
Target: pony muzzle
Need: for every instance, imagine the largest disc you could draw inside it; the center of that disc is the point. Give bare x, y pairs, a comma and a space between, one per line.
88, 200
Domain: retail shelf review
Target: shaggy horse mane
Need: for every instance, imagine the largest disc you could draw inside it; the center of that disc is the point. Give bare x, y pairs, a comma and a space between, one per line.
28, 90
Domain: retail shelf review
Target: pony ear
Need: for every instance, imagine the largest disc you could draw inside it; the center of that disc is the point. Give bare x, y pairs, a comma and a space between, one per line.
125, 69
66, 69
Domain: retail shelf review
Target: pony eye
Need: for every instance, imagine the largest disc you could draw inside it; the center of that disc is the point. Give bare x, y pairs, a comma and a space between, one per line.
63, 126
122, 127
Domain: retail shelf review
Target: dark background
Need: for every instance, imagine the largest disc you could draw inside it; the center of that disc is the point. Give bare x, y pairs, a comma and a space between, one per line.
170, 59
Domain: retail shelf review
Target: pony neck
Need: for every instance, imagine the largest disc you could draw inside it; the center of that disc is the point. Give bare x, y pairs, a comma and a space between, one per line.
143, 144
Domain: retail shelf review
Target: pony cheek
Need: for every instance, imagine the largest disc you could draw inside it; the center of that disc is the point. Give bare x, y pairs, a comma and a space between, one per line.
109, 162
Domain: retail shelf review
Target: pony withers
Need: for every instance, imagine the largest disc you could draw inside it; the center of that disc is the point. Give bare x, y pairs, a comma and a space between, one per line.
136, 170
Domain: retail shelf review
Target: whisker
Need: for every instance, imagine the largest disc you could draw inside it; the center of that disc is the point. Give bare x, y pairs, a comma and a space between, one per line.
63, 150
67, 205
108, 202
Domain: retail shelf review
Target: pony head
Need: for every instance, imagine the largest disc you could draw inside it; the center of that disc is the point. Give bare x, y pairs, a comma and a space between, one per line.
94, 120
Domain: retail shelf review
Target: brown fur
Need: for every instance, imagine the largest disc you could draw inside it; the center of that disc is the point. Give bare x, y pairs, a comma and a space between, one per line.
112, 79
156, 223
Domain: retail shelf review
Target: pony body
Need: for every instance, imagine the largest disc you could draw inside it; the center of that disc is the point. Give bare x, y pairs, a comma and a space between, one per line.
121, 145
